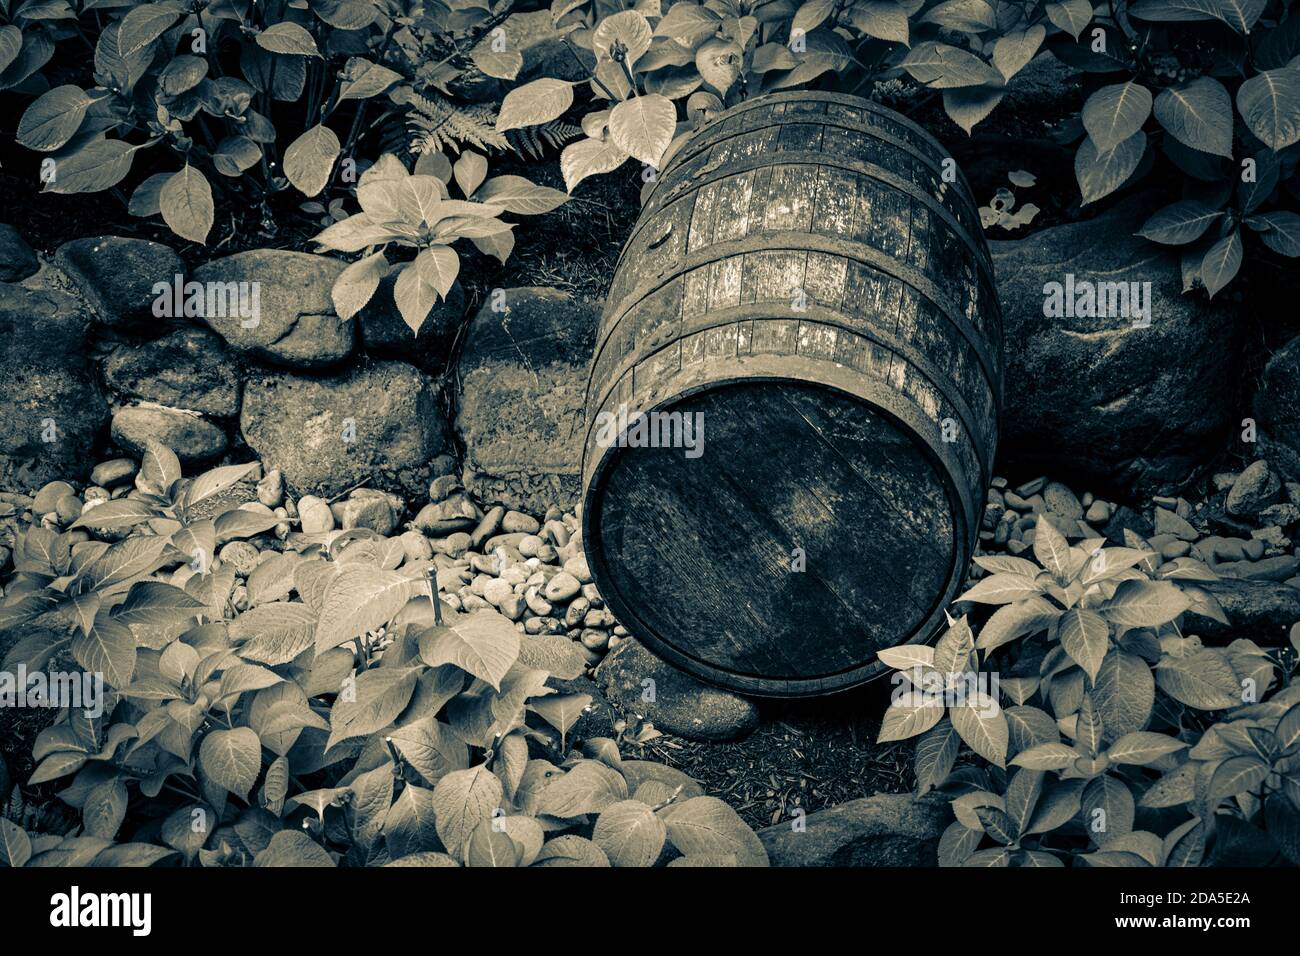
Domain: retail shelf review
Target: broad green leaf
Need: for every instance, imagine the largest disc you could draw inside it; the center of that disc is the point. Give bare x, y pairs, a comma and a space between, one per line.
1002, 589
15, 844
365, 79
461, 801
643, 127
936, 752
108, 649
534, 103
288, 38
963, 16
1085, 636
904, 719
1013, 621
1145, 603
484, 644
293, 848
570, 849
688, 23
630, 834
969, 106
590, 157
1101, 173
1142, 747
1221, 263
1204, 680
409, 827
115, 515
98, 165
1049, 756
1279, 229
940, 66
1112, 797
310, 158
1269, 102
1241, 774
1198, 115
520, 196
561, 711
144, 24
810, 15
186, 205
500, 64
1114, 113
356, 284
362, 599
231, 759
1012, 52
981, 723
706, 825
628, 28
53, 118
380, 695
1180, 223
1070, 15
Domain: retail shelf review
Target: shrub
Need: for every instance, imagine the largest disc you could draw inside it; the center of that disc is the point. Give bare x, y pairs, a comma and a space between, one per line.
417, 212
362, 722
1113, 714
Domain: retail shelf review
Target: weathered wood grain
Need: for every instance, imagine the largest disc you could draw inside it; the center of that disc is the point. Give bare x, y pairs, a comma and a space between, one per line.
803, 278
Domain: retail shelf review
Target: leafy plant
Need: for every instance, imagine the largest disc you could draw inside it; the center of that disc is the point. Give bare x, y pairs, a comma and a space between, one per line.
347, 715
416, 211
1184, 68
1109, 718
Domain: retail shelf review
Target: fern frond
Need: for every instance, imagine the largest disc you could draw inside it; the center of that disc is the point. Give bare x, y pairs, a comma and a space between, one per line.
531, 141
436, 123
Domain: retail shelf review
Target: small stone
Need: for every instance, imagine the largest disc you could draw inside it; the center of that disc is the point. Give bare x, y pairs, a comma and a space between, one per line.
48, 497
1060, 500
1254, 490
68, 508
1174, 549
536, 603
1032, 487
576, 611
512, 607
529, 545
998, 482
578, 568
1016, 501
517, 521
472, 602
1253, 549
95, 493
109, 473
442, 487
547, 554
454, 544
592, 595
1098, 512
496, 591
270, 490
557, 532
543, 625
562, 587
242, 555
455, 513
1293, 492
1017, 547
594, 640
315, 515
487, 527
1168, 522
373, 513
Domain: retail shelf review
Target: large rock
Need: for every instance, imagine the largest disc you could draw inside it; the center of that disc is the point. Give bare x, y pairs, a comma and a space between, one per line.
17, 260
117, 276
296, 325
189, 368
888, 829
1123, 407
192, 437
382, 422
47, 389
682, 705
1260, 610
522, 383
1277, 409
386, 335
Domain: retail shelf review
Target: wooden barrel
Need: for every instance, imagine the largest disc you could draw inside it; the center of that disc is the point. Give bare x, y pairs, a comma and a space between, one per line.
806, 278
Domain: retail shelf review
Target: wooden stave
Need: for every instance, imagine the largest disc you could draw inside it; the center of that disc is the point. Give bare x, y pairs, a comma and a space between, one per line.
964, 479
